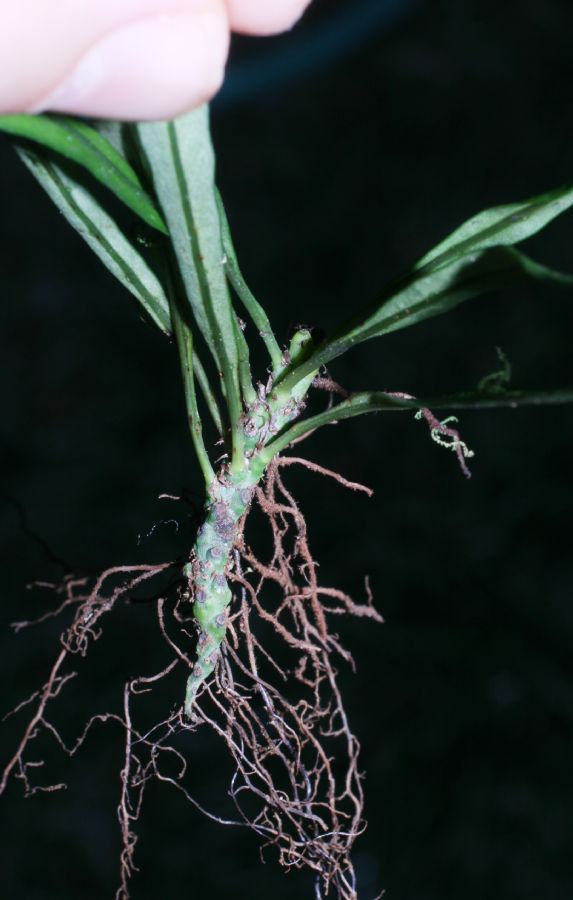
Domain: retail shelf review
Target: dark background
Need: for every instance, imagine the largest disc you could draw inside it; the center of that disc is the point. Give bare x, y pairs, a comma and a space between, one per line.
345, 150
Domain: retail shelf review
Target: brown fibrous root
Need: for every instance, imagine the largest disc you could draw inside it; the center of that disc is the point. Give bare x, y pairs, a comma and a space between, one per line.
273, 699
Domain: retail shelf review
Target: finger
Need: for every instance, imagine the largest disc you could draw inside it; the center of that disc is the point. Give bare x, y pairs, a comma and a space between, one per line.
264, 16
125, 59
156, 68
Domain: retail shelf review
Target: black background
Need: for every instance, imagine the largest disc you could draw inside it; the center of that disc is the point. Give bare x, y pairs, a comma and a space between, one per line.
338, 170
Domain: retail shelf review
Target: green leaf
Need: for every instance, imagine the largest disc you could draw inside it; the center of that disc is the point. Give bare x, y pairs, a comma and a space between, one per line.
113, 132
245, 376
474, 259
355, 405
430, 291
381, 401
184, 340
500, 226
493, 399
181, 160
245, 295
101, 233
83, 145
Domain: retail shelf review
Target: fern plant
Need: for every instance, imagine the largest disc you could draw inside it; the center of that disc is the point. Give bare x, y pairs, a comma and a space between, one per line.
184, 272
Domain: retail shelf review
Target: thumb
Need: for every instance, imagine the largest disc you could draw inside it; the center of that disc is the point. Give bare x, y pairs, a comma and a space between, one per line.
121, 59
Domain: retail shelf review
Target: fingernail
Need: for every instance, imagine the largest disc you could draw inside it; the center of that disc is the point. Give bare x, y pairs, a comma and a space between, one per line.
153, 69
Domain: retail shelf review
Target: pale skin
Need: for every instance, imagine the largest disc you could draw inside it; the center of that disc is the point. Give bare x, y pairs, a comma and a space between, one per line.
124, 59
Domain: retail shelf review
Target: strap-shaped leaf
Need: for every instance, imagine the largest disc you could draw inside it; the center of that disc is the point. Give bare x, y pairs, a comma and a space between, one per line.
380, 401
500, 226
427, 292
83, 145
181, 160
184, 340
247, 298
112, 132
474, 259
101, 233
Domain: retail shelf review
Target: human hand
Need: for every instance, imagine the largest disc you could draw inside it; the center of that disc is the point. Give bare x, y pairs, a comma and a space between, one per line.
124, 59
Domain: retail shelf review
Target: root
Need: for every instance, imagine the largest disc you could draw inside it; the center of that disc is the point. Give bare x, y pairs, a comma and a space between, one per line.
442, 432
273, 700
